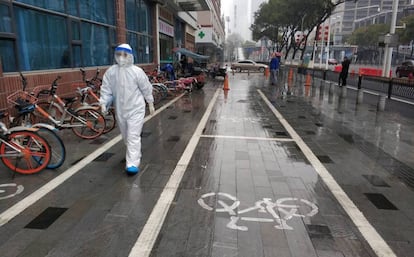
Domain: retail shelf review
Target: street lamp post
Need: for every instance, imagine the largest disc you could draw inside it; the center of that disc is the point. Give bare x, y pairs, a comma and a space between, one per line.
388, 50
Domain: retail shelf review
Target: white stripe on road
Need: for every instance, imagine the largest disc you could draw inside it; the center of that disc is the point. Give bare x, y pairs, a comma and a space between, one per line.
250, 138
146, 240
377, 243
23, 204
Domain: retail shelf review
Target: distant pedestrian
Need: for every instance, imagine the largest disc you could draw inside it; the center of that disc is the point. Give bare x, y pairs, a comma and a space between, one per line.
274, 68
169, 71
344, 72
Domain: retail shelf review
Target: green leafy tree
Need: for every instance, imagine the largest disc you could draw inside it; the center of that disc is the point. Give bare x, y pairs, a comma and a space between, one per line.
279, 20
406, 35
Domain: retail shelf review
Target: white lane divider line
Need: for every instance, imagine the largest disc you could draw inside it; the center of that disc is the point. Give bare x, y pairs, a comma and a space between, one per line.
250, 138
146, 240
377, 243
23, 204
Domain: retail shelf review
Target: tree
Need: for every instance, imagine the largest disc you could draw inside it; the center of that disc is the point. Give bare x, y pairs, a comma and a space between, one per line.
280, 20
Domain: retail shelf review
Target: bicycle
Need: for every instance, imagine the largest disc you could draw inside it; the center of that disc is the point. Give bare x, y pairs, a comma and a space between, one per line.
22, 150
25, 106
88, 96
86, 121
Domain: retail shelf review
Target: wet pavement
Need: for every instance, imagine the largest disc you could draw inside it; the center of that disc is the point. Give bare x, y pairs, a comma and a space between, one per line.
259, 170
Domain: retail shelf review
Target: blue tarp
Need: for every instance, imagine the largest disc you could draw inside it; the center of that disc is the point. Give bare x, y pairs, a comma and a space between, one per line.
193, 55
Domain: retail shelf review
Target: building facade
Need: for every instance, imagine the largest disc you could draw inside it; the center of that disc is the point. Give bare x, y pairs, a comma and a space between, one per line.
46, 38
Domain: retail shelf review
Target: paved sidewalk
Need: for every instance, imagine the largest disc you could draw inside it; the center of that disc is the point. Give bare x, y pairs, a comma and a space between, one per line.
268, 171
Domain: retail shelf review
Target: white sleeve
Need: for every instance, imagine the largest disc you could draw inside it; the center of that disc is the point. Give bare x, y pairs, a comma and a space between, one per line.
145, 86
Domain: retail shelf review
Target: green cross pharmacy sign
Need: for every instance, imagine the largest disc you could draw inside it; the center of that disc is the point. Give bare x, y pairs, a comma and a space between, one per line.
201, 34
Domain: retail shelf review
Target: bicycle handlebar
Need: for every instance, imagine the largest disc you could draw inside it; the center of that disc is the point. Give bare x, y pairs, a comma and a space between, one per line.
24, 81
54, 86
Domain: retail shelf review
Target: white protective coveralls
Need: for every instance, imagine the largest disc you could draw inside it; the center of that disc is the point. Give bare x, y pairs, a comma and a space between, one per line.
127, 85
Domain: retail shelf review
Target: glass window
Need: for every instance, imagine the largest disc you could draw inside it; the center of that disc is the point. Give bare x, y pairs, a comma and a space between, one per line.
95, 45
130, 15
7, 55
58, 6
98, 10
76, 56
137, 16
166, 46
43, 40
143, 17
75, 30
5, 24
73, 7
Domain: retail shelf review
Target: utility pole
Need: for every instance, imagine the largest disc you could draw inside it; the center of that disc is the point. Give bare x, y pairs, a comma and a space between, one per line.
388, 50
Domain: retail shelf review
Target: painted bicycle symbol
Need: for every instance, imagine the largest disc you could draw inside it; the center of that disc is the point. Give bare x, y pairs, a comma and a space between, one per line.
12, 190
281, 210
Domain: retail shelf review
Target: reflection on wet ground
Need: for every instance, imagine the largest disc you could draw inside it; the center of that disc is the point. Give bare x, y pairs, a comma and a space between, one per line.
249, 190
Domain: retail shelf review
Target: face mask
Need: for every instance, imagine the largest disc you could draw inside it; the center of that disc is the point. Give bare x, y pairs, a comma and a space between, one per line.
122, 61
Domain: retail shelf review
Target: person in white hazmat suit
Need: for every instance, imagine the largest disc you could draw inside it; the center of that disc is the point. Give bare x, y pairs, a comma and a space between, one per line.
128, 87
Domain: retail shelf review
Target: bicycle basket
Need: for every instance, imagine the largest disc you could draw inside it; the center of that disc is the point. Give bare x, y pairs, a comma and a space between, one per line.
21, 98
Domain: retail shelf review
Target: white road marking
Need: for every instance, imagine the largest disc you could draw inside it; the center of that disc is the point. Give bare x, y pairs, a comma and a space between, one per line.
143, 246
377, 243
20, 206
250, 138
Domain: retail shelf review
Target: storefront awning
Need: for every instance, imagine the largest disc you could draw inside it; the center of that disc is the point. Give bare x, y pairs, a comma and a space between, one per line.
188, 53
193, 5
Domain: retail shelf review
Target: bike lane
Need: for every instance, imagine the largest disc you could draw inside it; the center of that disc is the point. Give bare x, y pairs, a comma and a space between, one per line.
95, 209
250, 191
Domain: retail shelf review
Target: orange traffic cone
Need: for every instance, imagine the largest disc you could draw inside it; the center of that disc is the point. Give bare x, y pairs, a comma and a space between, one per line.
226, 83
290, 76
267, 72
308, 80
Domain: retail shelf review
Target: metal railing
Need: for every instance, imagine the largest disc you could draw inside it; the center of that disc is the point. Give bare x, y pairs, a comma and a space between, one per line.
392, 87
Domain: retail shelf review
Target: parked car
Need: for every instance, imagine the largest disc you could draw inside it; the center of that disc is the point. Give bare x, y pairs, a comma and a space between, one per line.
248, 65
332, 61
405, 69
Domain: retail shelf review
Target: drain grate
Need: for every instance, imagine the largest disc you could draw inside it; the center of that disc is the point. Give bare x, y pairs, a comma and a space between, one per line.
380, 201
319, 231
172, 117
376, 180
348, 138
301, 117
103, 157
98, 141
281, 134
173, 139
46, 218
78, 160
310, 132
324, 159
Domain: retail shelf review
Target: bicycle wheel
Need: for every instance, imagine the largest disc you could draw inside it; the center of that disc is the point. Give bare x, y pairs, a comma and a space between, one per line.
52, 110
25, 152
88, 123
110, 119
57, 148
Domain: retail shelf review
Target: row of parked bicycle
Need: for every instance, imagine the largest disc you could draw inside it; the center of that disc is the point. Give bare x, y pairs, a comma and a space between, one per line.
30, 143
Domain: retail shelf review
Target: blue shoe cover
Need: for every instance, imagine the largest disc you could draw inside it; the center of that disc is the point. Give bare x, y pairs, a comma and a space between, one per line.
132, 170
